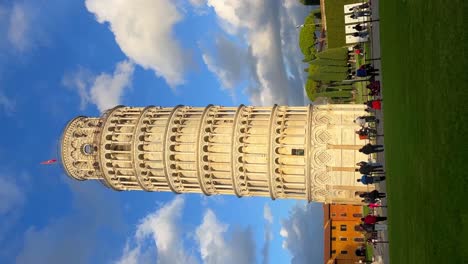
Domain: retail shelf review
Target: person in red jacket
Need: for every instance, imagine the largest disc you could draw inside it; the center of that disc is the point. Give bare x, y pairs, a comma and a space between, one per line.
372, 219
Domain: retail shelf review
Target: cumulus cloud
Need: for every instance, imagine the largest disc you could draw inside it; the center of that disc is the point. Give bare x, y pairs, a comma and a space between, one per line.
227, 62
163, 229
73, 238
273, 59
302, 233
143, 29
107, 90
215, 247
104, 90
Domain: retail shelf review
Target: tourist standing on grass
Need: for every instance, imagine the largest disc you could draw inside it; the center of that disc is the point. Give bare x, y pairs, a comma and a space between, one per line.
372, 219
369, 148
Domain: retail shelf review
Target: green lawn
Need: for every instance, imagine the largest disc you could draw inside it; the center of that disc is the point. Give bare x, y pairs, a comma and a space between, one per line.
335, 22
425, 90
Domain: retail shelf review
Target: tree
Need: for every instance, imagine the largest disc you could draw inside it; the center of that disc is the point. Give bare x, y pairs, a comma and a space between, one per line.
327, 62
328, 76
334, 54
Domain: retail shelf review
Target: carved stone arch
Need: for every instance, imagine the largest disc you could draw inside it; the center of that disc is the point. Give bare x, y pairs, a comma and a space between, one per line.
323, 118
321, 178
321, 157
320, 135
319, 194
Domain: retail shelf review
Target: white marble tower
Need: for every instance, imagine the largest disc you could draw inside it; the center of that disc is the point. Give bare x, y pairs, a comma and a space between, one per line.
298, 152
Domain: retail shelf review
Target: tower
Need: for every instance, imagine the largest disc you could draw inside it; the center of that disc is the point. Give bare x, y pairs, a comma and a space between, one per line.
298, 152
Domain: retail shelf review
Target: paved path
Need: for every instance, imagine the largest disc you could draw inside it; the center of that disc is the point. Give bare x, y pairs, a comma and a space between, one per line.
381, 249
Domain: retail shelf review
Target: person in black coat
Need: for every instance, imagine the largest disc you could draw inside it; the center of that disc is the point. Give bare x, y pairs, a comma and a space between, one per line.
369, 148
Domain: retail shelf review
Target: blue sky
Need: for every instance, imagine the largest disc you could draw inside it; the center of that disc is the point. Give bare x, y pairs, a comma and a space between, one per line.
60, 59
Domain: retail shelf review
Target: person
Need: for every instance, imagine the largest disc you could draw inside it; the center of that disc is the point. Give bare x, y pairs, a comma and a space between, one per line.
368, 67
361, 34
359, 7
356, 51
372, 219
374, 104
373, 195
360, 13
369, 148
374, 87
374, 164
363, 72
368, 169
362, 136
367, 132
361, 252
366, 179
360, 27
375, 205
368, 200
362, 120
367, 227
375, 241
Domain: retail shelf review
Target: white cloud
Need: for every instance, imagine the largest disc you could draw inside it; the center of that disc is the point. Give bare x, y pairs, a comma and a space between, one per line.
215, 248
11, 196
18, 31
107, 90
302, 233
227, 63
273, 58
143, 31
25, 27
104, 90
163, 228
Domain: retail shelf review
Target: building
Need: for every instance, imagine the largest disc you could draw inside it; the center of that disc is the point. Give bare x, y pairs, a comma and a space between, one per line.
301, 152
341, 236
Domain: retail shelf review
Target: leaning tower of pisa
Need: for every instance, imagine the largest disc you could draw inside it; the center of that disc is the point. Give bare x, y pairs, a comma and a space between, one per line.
297, 152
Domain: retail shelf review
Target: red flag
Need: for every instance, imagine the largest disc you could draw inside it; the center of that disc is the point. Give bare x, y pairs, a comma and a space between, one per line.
47, 162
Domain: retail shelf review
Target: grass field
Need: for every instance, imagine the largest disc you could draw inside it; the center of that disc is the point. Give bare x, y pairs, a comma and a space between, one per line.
425, 91
335, 22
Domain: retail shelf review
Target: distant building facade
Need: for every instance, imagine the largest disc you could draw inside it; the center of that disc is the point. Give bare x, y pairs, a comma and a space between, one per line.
341, 234
296, 152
